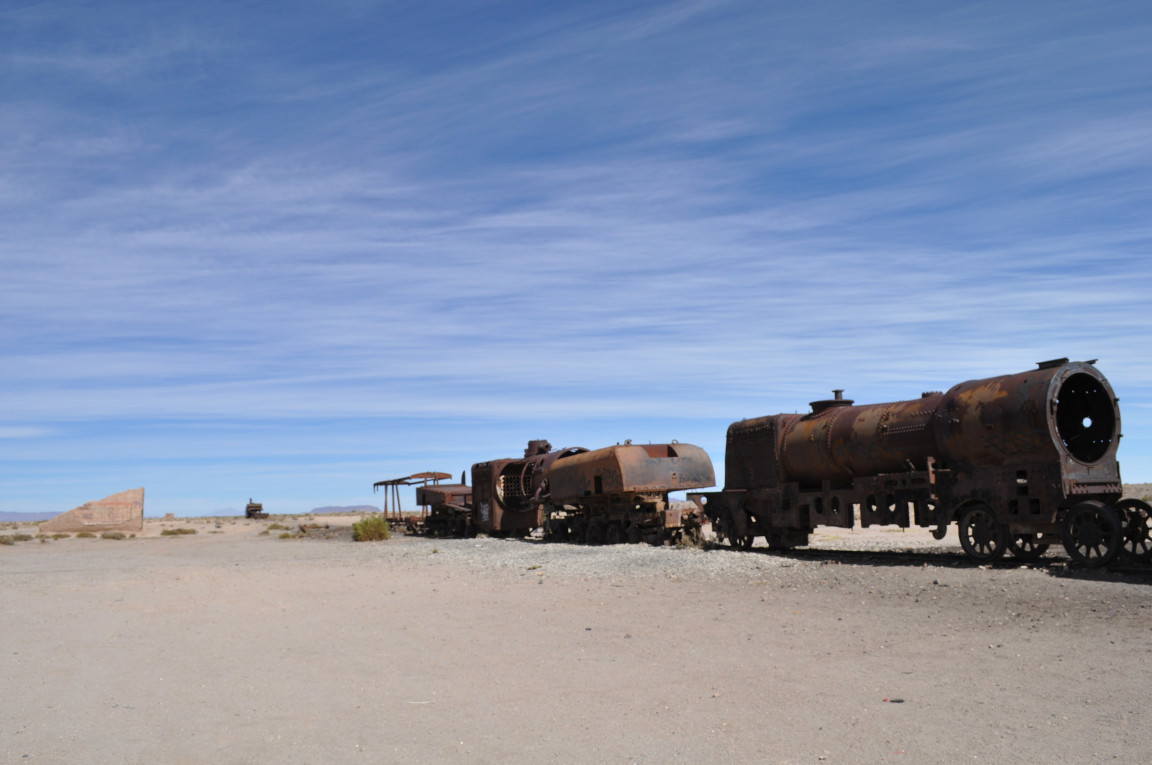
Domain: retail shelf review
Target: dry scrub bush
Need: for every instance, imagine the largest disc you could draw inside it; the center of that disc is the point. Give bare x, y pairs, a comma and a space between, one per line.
21, 537
85, 535
113, 535
371, 529
176, 532
7, 541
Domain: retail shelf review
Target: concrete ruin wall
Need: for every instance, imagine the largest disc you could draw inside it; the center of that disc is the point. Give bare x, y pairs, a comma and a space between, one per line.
119, 512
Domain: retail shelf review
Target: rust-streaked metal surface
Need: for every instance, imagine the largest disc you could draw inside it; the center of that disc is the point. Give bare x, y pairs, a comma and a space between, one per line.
443, 494
1064, 412
630, 468
1019, 461
506, 492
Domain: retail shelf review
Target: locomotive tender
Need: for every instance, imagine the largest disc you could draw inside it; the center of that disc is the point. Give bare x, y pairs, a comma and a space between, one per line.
1018, 462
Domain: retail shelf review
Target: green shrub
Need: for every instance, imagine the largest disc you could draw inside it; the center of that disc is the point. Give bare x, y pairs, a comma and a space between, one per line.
371, 529
287, 535
113, 535
176, 532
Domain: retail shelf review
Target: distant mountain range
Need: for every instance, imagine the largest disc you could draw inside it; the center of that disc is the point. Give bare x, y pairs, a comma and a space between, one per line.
349, 509
226, 512
231, 512
21, 517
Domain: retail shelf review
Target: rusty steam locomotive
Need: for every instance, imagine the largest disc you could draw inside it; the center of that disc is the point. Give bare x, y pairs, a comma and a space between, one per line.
1018, 462
605, 496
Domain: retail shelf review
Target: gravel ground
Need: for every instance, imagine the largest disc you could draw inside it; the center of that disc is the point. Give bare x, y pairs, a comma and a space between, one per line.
234, 646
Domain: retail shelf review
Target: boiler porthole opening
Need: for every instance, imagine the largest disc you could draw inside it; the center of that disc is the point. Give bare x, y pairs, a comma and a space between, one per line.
1085, 417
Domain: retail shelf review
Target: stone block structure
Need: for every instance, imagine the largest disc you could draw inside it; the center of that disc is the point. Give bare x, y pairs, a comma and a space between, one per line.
119, 512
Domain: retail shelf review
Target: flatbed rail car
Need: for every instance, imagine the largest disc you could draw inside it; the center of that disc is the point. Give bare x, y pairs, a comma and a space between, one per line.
1018, 462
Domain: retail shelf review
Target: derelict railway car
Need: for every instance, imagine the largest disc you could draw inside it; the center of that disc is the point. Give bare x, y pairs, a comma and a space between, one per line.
1019, 462
451, 509
606, 496
620, 493
505, 497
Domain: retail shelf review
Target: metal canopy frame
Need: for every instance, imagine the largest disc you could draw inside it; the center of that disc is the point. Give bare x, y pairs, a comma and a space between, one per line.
392, 487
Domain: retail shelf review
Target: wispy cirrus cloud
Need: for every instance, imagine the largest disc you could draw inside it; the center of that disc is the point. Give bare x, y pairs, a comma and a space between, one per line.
599, 218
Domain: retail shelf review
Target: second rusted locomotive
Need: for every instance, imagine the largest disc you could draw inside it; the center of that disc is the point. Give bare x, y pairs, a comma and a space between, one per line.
620, 493
604, 496
1018, 462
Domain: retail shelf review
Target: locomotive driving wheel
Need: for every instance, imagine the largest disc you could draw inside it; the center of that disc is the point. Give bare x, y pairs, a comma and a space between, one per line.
597, 528
576, 529
736, 541
1026, 547
981, 535
556, 530
1092, 533
741, 542
1136, 528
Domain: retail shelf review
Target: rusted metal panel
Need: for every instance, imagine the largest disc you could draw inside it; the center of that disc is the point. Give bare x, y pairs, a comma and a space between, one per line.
506, 492
1064, 412
630, 469
443, 494
1015, 460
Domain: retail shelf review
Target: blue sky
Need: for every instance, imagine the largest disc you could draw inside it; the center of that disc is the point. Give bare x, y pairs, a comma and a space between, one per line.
284, 250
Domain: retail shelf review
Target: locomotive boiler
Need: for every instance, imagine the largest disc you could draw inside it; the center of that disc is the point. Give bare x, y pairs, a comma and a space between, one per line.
505, 491
1018, 462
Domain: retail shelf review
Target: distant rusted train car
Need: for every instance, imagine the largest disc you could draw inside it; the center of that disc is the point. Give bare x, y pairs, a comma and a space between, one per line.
1018, 462
604, 496
505, 494
620, 493
451, 509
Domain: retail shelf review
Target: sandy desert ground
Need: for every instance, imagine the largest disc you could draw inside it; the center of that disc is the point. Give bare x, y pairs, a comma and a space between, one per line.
232, 646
